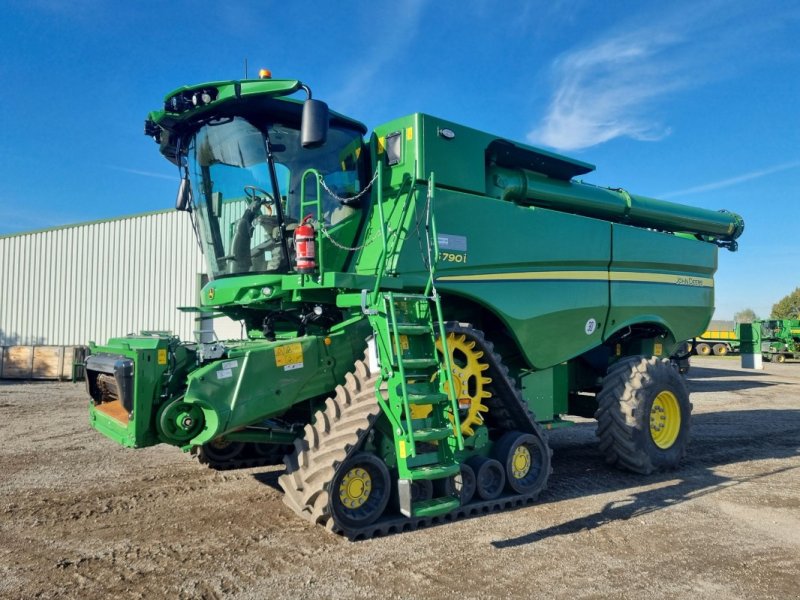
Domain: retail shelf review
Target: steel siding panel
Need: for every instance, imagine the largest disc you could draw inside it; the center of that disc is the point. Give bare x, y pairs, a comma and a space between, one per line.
89, 282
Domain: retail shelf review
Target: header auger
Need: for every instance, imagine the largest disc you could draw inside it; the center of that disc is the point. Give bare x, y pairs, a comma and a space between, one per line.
420, 307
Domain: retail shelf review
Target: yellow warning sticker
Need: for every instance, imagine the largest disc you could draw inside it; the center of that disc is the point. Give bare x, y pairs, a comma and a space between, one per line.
657, 349
402, 448
162, 356
289, 356
404, 342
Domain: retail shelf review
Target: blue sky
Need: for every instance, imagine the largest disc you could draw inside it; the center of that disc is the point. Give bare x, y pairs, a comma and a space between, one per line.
686, 101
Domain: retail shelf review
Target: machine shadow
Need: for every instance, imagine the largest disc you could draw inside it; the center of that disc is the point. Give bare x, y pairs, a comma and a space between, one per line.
719, 438
579, 470
696, 373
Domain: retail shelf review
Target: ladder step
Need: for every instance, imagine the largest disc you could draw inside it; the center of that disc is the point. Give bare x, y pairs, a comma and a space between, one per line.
419, 363
433, 472
432, 434
413, 328
434, 507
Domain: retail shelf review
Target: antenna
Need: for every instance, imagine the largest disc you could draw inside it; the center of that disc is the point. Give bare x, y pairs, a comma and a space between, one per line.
245, 67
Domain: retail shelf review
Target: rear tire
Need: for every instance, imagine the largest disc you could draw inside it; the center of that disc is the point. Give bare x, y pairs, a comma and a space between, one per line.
644, 415
703, 349
720, 350
780, 358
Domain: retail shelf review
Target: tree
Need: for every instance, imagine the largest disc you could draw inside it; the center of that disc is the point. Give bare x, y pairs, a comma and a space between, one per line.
747, 315
787, 307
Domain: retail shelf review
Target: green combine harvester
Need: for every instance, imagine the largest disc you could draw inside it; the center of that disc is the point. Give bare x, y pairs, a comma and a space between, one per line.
780, 339
421, 305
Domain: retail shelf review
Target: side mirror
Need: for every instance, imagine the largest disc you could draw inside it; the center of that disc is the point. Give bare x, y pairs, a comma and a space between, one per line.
314, 128
184, 199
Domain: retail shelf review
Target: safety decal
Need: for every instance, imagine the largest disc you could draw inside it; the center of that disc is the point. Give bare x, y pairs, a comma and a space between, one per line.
289, 357
591, 326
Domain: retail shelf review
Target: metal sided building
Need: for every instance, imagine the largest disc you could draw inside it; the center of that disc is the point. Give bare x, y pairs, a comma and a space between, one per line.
65, 286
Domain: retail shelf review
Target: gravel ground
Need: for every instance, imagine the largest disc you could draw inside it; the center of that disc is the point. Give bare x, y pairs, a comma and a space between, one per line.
82, 517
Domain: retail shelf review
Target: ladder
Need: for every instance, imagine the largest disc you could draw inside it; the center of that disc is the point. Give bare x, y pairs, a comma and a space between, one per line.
415, 373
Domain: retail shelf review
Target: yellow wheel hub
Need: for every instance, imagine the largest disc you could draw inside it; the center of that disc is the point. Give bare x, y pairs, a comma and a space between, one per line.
520, 462
665, 420
468, 380
355, 488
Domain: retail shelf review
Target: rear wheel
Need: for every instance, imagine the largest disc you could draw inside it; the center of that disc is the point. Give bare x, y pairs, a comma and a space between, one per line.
703, 349
779, 358
644, 415
720, 350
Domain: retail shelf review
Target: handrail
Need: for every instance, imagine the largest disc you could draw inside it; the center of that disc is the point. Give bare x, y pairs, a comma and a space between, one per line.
317, 204
430, 288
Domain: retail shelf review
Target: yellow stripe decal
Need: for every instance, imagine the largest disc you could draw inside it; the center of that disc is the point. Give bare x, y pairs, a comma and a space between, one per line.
613, 276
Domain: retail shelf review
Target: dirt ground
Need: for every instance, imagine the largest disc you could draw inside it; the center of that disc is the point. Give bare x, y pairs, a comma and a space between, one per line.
81, 517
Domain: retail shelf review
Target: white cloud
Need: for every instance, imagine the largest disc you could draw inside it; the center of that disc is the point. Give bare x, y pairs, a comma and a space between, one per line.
618, 84
715, 185
604, 90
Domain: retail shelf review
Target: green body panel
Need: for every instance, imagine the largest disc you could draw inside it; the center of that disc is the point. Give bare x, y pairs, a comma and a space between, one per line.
546, 391
662, 279
258, 379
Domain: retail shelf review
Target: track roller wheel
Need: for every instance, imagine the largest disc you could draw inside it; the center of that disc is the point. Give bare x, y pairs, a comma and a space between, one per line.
272, 454
360, 490
461, 485
526, 461
421, 490
644, 415
220, 450
490, 476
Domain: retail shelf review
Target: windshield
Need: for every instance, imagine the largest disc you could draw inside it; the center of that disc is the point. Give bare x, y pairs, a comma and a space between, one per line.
236, 203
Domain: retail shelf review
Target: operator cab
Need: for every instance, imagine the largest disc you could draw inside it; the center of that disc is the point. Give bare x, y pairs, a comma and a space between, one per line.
251, 185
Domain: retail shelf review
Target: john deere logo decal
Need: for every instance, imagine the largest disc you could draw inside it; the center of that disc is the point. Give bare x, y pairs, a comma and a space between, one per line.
211, 293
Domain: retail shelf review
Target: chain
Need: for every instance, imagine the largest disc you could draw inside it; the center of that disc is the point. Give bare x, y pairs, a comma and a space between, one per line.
358, 196
375, 236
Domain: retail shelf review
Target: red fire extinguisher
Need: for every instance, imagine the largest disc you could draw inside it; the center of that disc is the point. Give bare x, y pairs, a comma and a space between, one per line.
306, 259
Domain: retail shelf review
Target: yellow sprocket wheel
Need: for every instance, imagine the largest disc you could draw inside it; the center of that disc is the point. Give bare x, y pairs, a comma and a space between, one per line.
471, 385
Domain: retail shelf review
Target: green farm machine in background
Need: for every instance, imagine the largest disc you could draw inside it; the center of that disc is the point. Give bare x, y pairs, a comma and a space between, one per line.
420, 306
780, 339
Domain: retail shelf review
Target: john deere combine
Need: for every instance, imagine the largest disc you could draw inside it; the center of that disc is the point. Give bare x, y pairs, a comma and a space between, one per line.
420, 306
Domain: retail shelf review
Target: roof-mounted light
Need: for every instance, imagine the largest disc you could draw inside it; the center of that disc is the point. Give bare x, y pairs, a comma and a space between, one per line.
265, 74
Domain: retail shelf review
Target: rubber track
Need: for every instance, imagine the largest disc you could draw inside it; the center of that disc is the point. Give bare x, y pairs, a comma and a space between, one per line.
617, 403
336, 433
248, 459
345, 422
